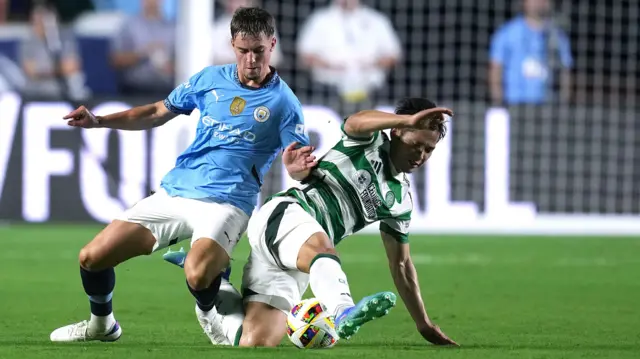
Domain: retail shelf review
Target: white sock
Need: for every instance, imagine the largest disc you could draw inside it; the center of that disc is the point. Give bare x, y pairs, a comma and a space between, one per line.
329, 284
98, 324
230, 307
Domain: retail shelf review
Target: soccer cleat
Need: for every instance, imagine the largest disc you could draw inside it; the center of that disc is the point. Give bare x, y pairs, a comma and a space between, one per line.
349, 321
81, 332
175, 257
211, 323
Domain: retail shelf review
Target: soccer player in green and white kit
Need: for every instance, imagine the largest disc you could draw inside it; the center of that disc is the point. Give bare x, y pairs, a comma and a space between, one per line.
361, 180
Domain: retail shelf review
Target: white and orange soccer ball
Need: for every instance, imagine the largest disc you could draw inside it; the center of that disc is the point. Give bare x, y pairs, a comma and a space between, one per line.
310, 326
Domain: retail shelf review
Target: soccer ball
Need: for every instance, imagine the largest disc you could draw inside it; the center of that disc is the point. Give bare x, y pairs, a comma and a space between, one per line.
310, 326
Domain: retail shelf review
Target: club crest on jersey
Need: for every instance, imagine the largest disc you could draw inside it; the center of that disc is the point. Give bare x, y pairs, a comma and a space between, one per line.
237, 105
389, 199
261, 114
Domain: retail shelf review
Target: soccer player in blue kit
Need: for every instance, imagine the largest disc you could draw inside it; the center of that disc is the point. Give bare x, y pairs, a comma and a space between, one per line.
247, 116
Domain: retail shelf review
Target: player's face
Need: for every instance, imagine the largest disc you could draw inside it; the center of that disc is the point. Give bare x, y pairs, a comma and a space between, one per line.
537, 8
411, 149
253, 55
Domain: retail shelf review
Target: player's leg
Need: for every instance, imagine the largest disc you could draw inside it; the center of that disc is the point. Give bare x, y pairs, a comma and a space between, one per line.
217, 229
329, 284
263, 325
115, 244
269, 291
121, 240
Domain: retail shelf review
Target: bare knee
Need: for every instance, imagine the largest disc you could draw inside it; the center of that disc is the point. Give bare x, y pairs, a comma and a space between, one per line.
317, 244
204, 263
256, 338
117, 243
263, 326
88, 258
198, 278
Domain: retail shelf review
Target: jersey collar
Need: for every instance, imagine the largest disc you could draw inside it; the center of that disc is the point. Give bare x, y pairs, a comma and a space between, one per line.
269, 81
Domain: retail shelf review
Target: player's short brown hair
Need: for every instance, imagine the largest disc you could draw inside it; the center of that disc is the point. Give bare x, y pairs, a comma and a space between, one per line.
252, 21
413, 105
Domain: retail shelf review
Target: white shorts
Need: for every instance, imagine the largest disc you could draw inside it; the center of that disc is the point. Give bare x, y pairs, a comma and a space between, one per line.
173, 219
276, 234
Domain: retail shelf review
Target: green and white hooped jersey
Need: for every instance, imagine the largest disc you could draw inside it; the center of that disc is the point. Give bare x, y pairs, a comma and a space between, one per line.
355, 185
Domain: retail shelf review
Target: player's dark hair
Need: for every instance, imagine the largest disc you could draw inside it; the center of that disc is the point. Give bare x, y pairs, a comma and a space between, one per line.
252, 21
413, 105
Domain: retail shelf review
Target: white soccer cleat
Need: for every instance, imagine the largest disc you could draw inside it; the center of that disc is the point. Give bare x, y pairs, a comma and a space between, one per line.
81, 332
230, 309
211, 323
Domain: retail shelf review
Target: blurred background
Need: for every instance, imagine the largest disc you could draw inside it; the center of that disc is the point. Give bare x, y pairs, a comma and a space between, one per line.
544, 144
545, 136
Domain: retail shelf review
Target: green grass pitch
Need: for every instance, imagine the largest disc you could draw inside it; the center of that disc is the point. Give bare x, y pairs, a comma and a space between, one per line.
499, 297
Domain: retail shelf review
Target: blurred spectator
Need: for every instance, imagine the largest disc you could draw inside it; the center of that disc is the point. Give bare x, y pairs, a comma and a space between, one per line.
144, 52
350, 47
525, 52
49, 58
222, 52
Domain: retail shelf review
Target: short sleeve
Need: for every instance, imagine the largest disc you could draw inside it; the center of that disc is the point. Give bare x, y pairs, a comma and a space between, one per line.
292, 128
498, 50
183, 99
397, 227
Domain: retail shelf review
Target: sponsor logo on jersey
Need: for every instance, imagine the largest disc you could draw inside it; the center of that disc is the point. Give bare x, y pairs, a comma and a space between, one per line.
261, 114
371, 201
368, 194
237, 105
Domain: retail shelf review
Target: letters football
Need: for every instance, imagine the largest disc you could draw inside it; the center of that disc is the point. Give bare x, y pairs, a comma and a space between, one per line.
310, 326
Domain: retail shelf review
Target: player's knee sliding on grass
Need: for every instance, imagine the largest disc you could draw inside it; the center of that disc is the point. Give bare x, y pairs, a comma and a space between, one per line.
361, 180
247, 116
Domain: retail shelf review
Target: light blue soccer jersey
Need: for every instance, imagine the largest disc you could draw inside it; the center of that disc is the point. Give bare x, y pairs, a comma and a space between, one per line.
240, 132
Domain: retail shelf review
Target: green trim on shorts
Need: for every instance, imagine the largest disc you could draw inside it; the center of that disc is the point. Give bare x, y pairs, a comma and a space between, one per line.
324, 255
271, 232
246, 292
236, 341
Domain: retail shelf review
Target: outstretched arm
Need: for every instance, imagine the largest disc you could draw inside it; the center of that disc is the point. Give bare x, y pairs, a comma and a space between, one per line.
405, 278
365, 123
138, 118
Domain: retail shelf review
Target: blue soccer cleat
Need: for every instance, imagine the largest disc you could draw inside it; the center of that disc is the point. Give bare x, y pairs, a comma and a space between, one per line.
227, 273
175, 257
369, 308
178, 258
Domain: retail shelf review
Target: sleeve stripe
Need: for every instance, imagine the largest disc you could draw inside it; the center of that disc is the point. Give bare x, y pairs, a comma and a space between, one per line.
175, 109
400, 237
